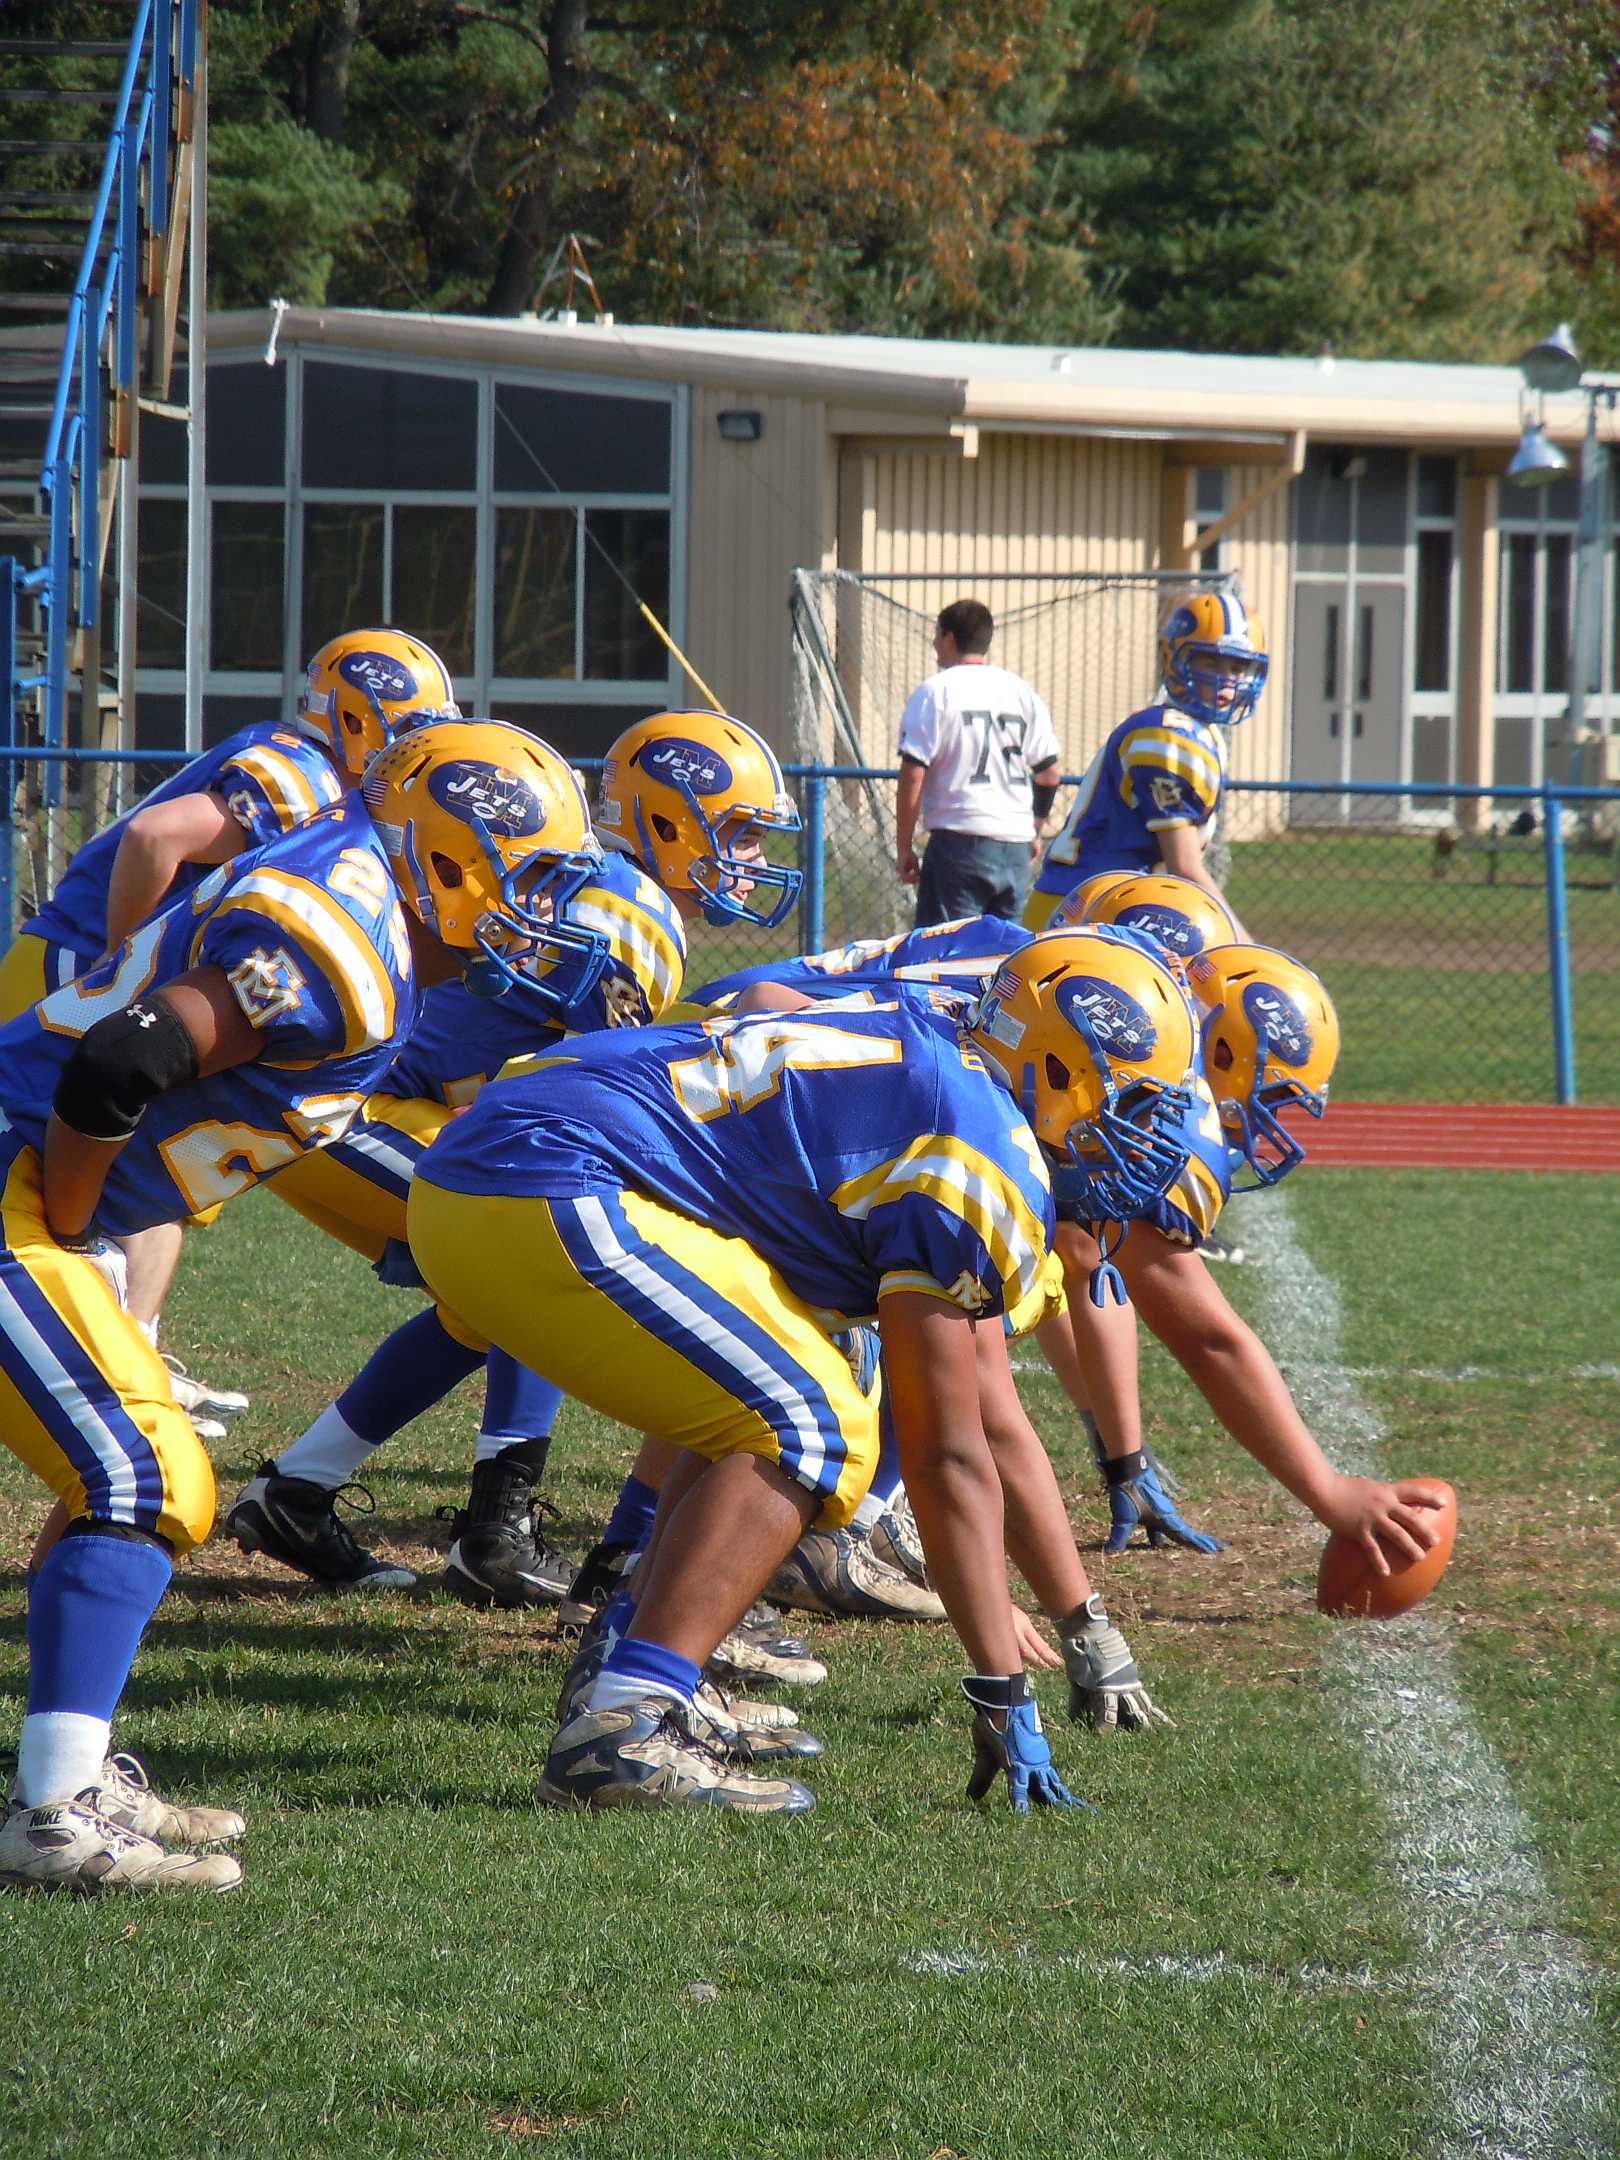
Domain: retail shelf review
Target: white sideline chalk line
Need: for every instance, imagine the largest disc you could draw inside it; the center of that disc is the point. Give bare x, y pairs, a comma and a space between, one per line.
1513, 2021
1213, 1969
1453, 1375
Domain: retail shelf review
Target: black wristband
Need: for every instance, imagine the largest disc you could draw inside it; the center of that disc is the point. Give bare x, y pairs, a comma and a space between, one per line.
1123, 1468
995, 1691
1042, 798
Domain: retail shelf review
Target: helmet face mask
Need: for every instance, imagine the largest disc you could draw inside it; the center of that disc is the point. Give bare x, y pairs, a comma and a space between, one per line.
1094, 1036
490, 840
1213, 659
690, 796
364, 689
1271, 1040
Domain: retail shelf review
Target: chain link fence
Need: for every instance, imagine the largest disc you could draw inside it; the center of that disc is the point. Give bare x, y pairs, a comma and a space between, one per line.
1467, 967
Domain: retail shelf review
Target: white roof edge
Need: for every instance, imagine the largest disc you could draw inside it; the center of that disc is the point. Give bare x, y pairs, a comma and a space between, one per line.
1397, 402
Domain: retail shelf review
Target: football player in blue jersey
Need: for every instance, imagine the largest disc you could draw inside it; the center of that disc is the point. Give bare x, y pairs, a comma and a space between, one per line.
685, 1216
687, 799
1270, 1038
359, 691
1148, 799
236, 1030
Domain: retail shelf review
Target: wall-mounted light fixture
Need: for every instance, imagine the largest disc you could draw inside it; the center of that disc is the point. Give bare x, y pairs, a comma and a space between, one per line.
740, 426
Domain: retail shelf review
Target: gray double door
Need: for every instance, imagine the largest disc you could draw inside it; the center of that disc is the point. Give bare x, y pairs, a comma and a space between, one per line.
1349, 676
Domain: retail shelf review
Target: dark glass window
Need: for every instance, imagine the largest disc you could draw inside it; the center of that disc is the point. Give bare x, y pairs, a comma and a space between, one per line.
388, 428
578, 731
247, 408
246, 586
1322, 511
1437, 487
160, 584
222, 716
1433, 611
576, 444
163, 451
1512, 760
1381, 512
1209, 493
160, 724
1519, 612
435, 579
1555, 652
343, 570
535, 569
618, 643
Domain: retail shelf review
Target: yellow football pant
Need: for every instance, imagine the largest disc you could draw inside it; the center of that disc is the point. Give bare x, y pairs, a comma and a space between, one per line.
84, 1398
32, 968
1038, 909
355, 1190
657, 1321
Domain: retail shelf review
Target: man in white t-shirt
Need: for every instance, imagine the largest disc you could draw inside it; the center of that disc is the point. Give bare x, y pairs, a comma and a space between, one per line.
979, 759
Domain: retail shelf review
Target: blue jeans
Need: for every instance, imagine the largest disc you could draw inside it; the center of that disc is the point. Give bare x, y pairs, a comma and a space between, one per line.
971, 874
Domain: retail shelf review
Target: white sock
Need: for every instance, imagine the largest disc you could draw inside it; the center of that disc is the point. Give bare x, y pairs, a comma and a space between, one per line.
488, 1445
59, 1754
867, 1513
148, 1328
328, 1454
612, 1690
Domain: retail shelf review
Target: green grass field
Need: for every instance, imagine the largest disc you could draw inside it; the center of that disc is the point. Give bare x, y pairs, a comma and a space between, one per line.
1220, 1962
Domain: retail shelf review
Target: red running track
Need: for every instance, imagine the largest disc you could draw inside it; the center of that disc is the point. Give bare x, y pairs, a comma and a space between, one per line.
1463, 1136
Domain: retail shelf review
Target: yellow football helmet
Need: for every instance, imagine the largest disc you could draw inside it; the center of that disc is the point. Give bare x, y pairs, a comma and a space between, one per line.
681, 792
490, 839
362, 688
1212, 658
1176, 913
1271, 1038
1075, 906
1095, 1037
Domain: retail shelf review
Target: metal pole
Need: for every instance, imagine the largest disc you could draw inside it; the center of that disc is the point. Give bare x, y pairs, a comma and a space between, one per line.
1563, 1025
812, 900
1586, 608
197, 408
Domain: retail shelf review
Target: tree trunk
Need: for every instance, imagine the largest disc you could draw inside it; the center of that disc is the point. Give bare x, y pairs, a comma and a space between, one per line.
326, 73
511, 289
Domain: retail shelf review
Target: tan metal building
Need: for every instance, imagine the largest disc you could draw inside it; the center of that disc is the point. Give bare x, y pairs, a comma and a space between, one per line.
475, 478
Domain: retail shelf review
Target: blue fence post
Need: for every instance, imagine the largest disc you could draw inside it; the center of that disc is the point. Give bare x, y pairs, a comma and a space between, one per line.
813, 899
1552, 810
9, 581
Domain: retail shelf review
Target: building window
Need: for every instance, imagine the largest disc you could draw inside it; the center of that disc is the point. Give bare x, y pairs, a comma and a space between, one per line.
1432, 657
1210, 501
246, 577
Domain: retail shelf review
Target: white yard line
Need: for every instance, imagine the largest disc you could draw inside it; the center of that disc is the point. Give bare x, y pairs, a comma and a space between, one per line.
1449, 1375
1512, 2022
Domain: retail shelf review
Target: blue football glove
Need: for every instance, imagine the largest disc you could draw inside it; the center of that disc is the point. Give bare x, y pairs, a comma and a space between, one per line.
1020, 1749
1143, 1500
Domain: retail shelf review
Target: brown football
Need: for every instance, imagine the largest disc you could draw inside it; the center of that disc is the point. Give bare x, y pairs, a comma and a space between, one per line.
1346, 1583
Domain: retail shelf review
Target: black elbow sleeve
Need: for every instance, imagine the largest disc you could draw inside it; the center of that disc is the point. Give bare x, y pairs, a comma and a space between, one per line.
119, 1065
1043, 797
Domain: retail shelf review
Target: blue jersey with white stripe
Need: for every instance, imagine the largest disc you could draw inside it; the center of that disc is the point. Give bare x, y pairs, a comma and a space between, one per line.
858, 1152
311, 935
271, 779
1158, 769
966, 952
462, 1040
1188, 1212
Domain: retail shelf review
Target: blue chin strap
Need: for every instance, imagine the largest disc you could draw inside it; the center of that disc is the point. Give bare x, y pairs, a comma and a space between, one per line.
714, 878
513, 936
1182, 681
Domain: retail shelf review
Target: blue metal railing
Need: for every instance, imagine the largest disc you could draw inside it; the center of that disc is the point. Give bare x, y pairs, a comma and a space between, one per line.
159, 70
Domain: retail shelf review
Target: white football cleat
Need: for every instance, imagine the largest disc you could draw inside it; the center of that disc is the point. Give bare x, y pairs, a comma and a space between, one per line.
125, 1796
69, 1845
836, 1571
897, 1541
197, 1398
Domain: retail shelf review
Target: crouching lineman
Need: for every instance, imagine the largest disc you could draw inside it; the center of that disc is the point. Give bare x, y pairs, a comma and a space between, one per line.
687, 800
234, 1031
682, 1216
359, 691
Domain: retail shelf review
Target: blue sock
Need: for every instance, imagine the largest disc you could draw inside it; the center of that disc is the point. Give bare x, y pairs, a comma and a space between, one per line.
87, 1611
617, 1614
518, 1404
632, 1659
415, 1368
886, 1479
632, 1518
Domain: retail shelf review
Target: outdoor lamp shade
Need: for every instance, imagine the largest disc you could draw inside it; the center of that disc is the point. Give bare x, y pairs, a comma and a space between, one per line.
1554, 364
1536, 461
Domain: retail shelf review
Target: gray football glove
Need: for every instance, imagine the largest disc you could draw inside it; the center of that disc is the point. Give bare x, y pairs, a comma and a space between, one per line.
1105, 1688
